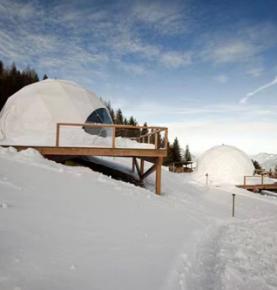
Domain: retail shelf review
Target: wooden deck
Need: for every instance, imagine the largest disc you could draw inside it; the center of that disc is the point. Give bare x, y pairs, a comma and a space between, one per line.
95, 151
259, 186
154, 155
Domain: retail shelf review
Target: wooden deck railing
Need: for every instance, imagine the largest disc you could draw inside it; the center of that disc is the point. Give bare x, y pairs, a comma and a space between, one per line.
253, 176
154, 135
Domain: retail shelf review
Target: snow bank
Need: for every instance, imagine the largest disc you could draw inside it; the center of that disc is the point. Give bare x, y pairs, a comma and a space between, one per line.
224, 165
68, 228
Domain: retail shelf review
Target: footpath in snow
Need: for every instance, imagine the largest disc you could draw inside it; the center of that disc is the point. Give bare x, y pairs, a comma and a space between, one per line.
72, 228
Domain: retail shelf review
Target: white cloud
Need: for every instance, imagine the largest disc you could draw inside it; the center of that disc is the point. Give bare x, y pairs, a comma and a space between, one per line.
163, 17
243, 45
255, 72
221, 79
231, 51
109, 37
258, 90
176, 59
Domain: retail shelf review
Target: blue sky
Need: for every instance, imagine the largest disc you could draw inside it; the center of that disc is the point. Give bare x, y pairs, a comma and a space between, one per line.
205, 69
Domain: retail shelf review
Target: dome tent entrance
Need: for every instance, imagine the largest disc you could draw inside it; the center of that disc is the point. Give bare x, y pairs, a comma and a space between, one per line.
31, 114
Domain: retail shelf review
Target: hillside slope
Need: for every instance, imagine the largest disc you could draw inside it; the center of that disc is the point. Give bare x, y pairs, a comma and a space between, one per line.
71, 228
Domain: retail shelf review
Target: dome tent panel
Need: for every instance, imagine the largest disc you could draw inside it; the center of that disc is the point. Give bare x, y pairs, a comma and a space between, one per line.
35, 110
224, 165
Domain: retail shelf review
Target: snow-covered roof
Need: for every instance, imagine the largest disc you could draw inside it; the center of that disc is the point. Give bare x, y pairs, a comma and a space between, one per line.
37, 108
224, 164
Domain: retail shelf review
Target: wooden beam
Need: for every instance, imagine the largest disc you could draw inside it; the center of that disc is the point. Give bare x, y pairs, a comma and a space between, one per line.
94, 125
149, 171
141, 166
133, 164
264, 186
138, 169
159, 162
94, 151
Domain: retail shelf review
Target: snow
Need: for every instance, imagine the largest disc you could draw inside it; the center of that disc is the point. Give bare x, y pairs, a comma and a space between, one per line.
224, 165
72, 228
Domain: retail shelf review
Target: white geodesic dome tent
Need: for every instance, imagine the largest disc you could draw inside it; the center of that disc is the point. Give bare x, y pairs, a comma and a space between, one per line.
31, 114
224, 164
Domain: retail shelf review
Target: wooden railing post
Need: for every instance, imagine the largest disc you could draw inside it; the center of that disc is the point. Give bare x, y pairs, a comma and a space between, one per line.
244, 180
159, 162
113, 137
166, 138
57, 135
262, 178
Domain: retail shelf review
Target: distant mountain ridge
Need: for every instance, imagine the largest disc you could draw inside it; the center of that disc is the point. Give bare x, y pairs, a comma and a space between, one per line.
266, 160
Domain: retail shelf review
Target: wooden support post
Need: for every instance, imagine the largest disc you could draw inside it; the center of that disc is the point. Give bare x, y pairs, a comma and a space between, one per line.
57, 135
159, 162
113, 138
244, 180
262, 178
156, 140
141, 167
166, 138
138, 169
133, 164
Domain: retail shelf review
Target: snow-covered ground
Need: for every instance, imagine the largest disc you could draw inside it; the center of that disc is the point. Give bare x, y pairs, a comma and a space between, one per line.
72, 228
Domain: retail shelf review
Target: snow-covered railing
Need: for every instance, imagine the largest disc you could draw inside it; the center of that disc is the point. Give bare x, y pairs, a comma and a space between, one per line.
156, 137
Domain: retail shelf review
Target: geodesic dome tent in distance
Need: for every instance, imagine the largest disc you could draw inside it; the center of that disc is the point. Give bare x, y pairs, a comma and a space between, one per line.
31, 114
224, 164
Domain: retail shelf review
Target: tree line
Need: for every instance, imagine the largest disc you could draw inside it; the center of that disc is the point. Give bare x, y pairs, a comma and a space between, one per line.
13, 79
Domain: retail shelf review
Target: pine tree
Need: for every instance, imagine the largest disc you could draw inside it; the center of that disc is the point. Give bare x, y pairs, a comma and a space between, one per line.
256, 164
132, 121
119, 117
133, 132
187, 155
45, 77
144, 131
12, 80
169, 158
125, 121
1, 68
176, 151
